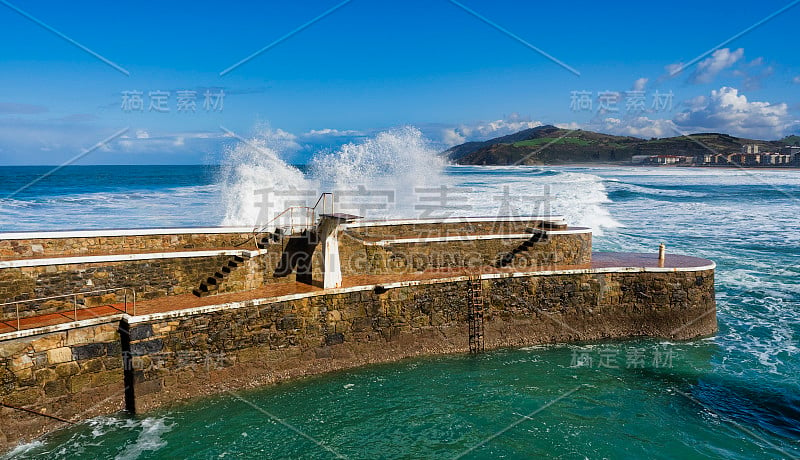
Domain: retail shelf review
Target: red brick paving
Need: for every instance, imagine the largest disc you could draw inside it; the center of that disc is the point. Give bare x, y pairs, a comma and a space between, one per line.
181, 302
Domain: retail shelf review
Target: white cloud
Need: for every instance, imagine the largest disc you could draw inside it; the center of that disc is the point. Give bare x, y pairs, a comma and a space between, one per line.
640, 84
451, 137
729, 112
724, 110
643, 127
672, 70
331, 132
709, 68
280, 134
570, 125
484, 130
277, 139
166, 144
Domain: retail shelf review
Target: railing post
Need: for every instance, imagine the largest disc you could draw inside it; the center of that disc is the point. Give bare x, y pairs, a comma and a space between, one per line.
134, 302
125, 300
75, 307
18, 325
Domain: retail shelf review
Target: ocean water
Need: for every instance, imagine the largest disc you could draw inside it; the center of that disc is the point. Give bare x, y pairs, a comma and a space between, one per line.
734, 395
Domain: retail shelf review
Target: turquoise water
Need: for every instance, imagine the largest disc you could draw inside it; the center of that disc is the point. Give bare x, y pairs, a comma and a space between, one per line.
734, 395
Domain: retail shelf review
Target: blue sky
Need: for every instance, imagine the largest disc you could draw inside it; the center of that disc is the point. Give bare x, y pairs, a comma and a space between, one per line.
371, 65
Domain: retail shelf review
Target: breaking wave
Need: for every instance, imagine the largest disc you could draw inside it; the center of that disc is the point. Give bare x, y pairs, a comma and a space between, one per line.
398, 174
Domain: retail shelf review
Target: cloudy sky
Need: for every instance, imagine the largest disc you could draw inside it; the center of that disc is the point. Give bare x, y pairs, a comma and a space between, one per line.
177, 82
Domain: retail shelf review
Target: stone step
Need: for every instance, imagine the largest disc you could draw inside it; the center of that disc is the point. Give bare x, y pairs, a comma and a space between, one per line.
213, 282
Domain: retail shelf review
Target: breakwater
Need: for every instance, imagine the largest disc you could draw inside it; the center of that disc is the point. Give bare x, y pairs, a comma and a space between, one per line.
404, 292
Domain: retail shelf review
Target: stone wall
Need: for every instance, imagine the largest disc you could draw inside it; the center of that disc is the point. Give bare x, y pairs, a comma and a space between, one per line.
182, 357
81, 372
150, 278
520, 253
162, 277
82, 246
74, 374
453, 228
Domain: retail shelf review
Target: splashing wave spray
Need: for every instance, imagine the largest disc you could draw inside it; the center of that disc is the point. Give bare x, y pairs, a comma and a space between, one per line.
375, 178
251, 168
391, 176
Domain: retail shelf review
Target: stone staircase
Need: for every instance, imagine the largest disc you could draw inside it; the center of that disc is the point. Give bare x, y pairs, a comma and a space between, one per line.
213, 282
508, 258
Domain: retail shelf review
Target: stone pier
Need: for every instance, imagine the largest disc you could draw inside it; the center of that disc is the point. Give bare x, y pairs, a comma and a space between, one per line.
403, 292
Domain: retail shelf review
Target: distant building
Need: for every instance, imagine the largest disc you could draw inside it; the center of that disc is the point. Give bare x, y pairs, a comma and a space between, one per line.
670, 159
788, 156
792, 150
749, 148
776, 159
734, 158
752, 159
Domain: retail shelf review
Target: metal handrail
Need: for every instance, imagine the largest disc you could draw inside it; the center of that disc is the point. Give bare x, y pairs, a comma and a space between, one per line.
311, 214
74, 297
290, 210
324, 199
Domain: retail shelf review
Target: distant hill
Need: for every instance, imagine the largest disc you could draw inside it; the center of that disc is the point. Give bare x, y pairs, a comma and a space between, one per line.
551, 145
791, 140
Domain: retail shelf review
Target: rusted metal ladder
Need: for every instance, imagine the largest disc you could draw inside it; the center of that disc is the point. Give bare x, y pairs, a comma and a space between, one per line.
475, 305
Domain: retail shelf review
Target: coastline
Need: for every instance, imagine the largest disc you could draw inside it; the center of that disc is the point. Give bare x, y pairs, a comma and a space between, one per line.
633, 165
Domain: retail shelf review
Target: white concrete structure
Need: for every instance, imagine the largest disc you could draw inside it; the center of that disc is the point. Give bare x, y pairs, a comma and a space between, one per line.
328, 232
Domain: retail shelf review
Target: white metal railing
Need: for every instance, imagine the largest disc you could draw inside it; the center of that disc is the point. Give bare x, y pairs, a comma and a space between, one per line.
75, 306
299, 217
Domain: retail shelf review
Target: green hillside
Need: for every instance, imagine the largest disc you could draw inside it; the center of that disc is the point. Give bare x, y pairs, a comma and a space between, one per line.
552, 145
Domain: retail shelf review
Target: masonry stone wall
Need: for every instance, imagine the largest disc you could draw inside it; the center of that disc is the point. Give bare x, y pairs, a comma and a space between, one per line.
175, 276
190, 356
84, 246
150, 279
75, 374
423, 229
521, 253
81, 372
